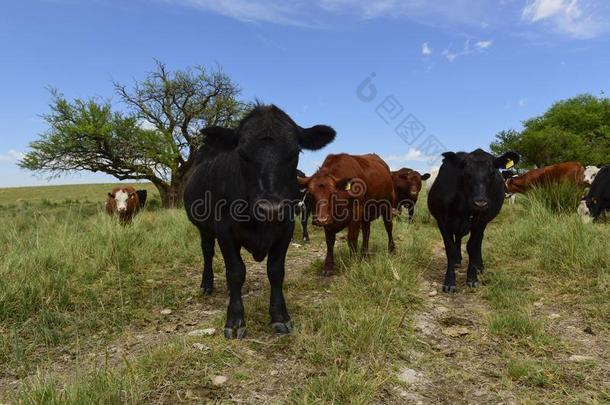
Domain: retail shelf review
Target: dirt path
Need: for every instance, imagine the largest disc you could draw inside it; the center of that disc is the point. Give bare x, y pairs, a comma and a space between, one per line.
459, 361
454, 362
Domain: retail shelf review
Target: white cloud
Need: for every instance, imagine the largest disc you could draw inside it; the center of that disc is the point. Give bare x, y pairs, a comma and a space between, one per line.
484, 44
413, 155
479, 46
565, 16
425, 49
315, 12
11, 156
451, 56
576, 18
269, 11
522, 102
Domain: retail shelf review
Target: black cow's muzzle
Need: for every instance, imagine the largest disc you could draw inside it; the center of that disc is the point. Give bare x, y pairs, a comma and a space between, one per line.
481, 204
270, 210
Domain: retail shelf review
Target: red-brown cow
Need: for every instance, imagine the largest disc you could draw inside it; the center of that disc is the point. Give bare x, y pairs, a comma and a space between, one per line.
124, 202
351, 191
567, 171
407, 184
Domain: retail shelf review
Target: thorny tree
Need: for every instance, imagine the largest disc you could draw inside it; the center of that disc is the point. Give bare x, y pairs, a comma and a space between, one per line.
156, 137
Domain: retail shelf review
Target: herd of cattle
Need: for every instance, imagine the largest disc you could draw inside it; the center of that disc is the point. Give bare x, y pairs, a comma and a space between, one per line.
247, 178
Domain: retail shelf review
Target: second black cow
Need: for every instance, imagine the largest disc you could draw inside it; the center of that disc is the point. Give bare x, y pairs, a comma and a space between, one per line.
467, 194
304, 208
240, 193
598, 197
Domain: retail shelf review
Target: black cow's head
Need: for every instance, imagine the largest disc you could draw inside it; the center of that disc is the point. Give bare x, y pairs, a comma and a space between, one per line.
268, 143
479, 173
598, 198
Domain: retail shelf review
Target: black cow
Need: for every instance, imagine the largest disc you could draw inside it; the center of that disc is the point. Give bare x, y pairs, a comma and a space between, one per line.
304, 208
240, 193
598, 197
467, 194
142, 195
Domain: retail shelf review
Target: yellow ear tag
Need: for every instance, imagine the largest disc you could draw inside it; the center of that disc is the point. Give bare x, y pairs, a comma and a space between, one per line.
348, 186
509, 163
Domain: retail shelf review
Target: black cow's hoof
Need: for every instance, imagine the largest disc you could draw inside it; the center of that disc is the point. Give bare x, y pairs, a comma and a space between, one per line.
472, 284
305, 240
282, 328
480, 270
238, 333
327, 273
449, 289
207, 290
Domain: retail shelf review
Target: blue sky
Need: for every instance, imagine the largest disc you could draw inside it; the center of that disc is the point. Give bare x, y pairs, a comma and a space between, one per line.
460, 70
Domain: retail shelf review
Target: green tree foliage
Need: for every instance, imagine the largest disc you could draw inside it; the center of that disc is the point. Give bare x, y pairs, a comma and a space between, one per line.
155, 138
574, 129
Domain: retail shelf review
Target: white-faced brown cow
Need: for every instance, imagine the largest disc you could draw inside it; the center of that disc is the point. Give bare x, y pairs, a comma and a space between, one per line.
124, 202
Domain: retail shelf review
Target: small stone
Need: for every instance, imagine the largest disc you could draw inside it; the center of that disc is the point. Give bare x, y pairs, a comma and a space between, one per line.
200, 346
441, 310
273, 372
409, 376
170, 327
576, 358
432, 293
425, 327
538, 304
219, 380
150, 281
296, 245
456, 331
479, 393
554, 316
202, 332
166, 311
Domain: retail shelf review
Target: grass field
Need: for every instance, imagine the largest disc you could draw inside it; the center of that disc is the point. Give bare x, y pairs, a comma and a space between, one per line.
93, 312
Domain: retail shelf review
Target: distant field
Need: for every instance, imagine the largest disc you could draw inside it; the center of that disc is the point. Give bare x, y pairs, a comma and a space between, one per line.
76, 192
92, 312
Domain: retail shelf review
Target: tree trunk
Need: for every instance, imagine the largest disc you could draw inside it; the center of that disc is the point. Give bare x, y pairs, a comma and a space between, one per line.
171, 195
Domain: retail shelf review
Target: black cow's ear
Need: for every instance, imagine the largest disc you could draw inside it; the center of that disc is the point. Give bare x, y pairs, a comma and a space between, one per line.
316, 137
453, 158
507, 160
425, 176
110, 195
219, 138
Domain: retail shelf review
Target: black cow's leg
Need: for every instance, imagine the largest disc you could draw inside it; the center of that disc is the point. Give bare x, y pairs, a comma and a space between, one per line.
352, 236
411, 211
280, 320
386, 215
207, 279
458, 243
366, 233
329, 262
304, 219
452, 256
475, 256
235, 326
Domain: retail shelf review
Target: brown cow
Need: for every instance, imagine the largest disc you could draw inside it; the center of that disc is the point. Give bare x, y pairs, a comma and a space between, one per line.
408, 184
567, 171
123, 201
350, 191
